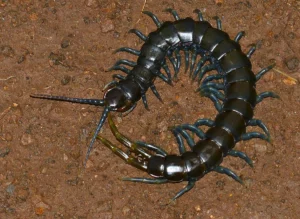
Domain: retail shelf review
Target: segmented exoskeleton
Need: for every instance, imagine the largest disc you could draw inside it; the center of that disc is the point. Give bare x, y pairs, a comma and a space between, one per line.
235, 112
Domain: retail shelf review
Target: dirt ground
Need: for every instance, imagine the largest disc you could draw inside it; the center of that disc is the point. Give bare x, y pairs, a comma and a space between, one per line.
64, 48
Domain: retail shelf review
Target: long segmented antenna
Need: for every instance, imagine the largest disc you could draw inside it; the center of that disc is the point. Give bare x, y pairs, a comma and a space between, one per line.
99, 126
95, 102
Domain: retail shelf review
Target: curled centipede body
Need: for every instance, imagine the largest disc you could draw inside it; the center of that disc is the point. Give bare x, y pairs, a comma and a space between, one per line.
234, 98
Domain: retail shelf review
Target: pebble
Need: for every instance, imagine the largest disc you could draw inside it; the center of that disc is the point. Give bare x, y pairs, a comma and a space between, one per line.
65, 43
4, 152
260, 147
292, 63
107, 25
126, 210
65, 80
26, 139
7, 51
10, 189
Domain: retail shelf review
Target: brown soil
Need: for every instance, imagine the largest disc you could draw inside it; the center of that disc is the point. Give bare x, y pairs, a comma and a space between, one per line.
64, 47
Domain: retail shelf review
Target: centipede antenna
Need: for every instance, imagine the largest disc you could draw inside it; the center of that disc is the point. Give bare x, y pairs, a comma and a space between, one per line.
99, 126
154, 18
95, 102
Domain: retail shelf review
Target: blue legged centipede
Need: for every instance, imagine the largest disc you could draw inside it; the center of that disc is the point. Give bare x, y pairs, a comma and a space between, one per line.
235, 113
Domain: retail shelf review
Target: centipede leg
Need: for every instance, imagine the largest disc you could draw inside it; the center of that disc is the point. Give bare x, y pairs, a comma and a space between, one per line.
155, 92
214, 99
263, 71
167, 70
186, 60
206, 122
250, 135
199, 66
178, 64
129, 50
163, 77
210, 90
260, 124
239, 36
211, 78
264, 95
118, 76
173, 62
193, 128
219, 22
179, 141
139, 34
200, 16
217, 86
121, 68
153, 17
193, 60
204, 70
228, 172
146, 180
174, 13
242, 155
189, 186
125, 62
190, 141
144, 99
251, 51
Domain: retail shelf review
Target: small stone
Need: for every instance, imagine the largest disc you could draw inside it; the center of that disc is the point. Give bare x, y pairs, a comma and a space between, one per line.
10, 189
26, 139
4, 152
65, 80
91, 3
65, 43
126, 210
7, 51
292, 63
107, 25
197, 208
260, 148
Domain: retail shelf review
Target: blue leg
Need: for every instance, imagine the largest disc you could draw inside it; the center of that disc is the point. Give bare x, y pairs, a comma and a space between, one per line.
264, 95
239, 36
193, 129
251, 51
173, 12
186, 136
241, 155
204, 70
210, 90
125, 62
219, 22
208, 122
250, 135
199, 66
178, 64
167, 70
129, 50
198, 12
173, 61
214, 99
190, 185
152, 147
179, 141
118, 76
139, 34
193, 60
211, 78
263, 71
228, 172
155, 92
186, 60
260, 124
217, 86
121, 68
144, 99
153, 17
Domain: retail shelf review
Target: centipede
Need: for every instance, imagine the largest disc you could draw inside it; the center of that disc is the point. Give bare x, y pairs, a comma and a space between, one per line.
232, 89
